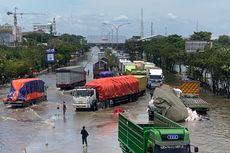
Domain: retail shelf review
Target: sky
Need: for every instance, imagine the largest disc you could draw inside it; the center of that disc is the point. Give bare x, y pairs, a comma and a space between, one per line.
86, 17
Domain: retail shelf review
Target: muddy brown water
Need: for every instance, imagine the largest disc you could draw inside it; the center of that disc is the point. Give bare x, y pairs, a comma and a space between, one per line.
43, 129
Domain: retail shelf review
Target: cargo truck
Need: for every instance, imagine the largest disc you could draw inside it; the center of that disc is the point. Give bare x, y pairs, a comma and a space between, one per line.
70, 77
160, 136
155, 78
107, 92
190, 96
24, 92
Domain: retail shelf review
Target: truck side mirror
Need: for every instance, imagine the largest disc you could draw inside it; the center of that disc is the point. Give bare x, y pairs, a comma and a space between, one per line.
196, 149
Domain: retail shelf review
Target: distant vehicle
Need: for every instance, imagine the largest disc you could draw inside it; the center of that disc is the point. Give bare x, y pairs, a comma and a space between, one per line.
156, 77
101, 65
101, 48
161, 136
70, 77
109, 91
100, 55
24, 92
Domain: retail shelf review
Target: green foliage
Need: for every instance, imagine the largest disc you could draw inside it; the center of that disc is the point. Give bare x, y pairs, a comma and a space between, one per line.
202, 36
167, 51
21, 60
224, 41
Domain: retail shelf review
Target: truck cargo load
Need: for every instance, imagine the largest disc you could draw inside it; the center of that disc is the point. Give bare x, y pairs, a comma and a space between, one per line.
142, 79
112, 87
70, 77
160, 136
139, 65
166, 102
107, 92
104, 74
24, 92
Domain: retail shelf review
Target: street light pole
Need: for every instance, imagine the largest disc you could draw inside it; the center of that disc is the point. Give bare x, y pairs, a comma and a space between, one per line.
116, 27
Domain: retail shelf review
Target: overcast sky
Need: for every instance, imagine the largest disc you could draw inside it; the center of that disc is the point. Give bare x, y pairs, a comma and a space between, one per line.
85, 17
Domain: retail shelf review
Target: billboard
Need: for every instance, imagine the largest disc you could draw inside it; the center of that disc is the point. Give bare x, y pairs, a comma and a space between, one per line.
50, 56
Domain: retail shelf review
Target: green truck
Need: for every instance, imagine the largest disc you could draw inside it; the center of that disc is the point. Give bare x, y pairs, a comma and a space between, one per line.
160, 136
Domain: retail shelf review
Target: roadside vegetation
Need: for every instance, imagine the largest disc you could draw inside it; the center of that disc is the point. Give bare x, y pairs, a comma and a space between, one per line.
30, 55
170, 50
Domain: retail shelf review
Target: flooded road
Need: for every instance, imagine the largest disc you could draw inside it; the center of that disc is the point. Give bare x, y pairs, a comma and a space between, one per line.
43, 129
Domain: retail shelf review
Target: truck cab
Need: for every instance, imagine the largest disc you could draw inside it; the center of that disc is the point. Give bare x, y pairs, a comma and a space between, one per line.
160, 136
162, 141
155, 78
85, 98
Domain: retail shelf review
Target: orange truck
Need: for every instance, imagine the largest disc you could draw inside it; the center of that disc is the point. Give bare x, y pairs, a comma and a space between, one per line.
24, 92
191, 96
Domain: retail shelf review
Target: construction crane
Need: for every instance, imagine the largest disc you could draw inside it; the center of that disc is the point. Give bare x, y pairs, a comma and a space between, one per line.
15, 13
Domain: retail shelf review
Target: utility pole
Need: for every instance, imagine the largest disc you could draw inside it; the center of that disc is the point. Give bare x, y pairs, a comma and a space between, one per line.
197, 26
151, 28
142, 24
166, 31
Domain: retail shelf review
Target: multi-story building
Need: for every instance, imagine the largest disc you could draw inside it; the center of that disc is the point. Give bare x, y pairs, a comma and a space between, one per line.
8, 36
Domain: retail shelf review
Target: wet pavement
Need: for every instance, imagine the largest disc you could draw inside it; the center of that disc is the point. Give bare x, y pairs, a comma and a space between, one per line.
42, 128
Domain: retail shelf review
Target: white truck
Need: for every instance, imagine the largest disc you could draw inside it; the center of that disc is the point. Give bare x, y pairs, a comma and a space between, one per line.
156, 77
70, 77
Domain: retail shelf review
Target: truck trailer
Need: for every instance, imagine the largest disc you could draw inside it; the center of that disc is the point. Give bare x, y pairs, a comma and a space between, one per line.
70, 77
190, 95
160, 136
24, 92
110, 91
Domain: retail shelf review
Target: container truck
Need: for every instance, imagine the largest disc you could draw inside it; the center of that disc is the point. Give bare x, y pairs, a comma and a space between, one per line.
70, 77
24, 92
160, 136
106, 92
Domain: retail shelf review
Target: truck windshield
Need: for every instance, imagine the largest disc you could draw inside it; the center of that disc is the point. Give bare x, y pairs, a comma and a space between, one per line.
83, 93
155, 77
174, 149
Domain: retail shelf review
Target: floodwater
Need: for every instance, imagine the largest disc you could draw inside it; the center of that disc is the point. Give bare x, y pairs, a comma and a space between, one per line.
43, 129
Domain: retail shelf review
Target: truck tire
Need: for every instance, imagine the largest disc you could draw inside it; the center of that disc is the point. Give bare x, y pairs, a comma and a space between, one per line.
94, 107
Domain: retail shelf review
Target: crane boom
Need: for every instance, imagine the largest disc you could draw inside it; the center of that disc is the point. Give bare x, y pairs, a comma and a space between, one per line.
15, 13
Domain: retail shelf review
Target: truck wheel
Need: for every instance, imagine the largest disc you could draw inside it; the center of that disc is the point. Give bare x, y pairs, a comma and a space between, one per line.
131, 98
94, 107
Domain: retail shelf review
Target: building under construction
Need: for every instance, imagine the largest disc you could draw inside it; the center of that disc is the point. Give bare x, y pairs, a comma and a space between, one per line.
7, 36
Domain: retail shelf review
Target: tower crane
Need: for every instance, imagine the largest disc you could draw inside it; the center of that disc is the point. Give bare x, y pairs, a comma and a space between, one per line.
15, 13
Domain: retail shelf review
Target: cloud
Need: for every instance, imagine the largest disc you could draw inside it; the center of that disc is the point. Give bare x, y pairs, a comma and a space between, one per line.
120, 18
102, 14
171, 16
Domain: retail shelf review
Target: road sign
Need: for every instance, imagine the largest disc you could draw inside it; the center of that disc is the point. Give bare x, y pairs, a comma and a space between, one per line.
50, 56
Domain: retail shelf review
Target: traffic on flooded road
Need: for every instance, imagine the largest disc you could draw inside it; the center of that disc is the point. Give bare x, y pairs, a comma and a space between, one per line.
42, 127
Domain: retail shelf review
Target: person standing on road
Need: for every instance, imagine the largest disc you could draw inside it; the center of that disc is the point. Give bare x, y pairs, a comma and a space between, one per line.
84, 135
151, 93
64, 108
